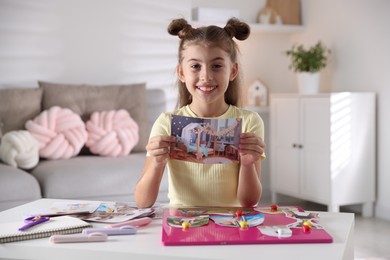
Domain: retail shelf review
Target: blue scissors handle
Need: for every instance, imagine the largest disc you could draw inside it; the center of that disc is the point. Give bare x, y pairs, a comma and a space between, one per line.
32, 221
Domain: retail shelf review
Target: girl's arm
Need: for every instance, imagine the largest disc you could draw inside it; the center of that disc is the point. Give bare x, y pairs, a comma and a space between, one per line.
148, 185
249, 184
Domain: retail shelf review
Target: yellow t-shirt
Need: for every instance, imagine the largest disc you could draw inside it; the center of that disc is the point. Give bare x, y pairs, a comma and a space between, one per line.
198, 184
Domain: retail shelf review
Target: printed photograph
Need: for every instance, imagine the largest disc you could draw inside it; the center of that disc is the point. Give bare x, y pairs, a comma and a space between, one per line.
205, 140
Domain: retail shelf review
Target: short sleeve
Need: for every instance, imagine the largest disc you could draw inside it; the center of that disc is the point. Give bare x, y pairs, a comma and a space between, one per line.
254, 124
162, 125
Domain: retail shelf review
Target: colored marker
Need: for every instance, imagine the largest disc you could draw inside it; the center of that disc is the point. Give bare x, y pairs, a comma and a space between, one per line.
93, 237
124, 230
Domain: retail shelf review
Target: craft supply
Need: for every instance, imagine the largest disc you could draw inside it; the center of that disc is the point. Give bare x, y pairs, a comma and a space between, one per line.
62, 208
57, 225
33, 221
186, 224
124, 230
263, 228
239, 213
284, 232
232, 221
93, 237
243, 224
134, 222
306, 228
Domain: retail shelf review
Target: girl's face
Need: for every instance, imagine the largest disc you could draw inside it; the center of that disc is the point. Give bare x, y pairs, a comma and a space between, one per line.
206, 72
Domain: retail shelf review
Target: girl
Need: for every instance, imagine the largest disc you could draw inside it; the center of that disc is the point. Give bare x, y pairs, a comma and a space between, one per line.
208, 81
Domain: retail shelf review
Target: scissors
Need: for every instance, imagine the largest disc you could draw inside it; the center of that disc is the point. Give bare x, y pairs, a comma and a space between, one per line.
32, 221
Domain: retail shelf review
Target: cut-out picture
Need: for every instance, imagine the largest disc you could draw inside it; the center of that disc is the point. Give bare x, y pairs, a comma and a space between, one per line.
205, 140
279, 210
232, 221
115, 212
229, 211
177, 221
281, 231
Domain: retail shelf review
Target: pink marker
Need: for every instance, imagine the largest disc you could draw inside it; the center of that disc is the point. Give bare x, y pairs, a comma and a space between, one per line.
134, 222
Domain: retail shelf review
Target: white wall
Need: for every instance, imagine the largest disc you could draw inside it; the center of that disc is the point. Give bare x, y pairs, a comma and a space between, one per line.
358, 33
89, 42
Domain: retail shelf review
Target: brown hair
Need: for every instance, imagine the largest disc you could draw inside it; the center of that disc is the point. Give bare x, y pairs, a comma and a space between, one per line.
211, 36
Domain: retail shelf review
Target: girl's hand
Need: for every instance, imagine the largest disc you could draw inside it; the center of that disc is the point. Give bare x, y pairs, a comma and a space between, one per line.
159, 148
251, 148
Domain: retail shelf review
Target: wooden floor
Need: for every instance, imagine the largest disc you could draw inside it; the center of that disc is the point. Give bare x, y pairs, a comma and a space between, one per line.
371, 235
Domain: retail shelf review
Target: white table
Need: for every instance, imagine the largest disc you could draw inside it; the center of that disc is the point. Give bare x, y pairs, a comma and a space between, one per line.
147, 244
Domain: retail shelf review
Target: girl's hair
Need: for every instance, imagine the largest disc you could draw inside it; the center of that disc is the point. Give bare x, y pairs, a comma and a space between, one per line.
210, 36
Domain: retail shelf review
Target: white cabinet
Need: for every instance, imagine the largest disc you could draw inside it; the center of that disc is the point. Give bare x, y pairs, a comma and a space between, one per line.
322, 148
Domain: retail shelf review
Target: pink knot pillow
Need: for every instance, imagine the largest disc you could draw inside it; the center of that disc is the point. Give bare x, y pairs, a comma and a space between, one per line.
60, 133
112, 133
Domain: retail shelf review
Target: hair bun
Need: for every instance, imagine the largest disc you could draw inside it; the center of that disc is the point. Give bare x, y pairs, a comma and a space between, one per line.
179, 27
236, 28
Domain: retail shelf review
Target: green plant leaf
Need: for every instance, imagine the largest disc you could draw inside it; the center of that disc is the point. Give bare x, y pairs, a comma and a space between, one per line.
311, 60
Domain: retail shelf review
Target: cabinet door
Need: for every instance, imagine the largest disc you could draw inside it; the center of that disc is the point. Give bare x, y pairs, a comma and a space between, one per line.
284, 156
315, 152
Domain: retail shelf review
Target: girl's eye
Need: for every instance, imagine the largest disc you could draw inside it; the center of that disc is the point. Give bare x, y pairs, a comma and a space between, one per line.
217, 66
195, 66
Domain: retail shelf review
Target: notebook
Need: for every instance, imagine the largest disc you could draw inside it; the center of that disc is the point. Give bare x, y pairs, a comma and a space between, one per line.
56, 225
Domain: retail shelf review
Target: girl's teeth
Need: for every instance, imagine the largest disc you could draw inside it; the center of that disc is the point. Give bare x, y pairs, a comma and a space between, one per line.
206, 88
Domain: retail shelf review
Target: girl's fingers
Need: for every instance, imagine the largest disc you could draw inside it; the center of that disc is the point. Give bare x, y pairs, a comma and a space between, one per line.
251, 138
252, 148
160, 151
159, 144
251, 142
159, 147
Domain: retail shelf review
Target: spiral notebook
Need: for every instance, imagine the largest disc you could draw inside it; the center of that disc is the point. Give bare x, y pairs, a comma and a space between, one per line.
57, 225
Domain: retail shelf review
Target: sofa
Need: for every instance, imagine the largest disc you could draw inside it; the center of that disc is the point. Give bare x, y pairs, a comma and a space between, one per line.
85, 176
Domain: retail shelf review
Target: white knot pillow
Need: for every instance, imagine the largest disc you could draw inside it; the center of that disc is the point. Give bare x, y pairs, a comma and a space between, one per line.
19, 149
112, 133
60, 133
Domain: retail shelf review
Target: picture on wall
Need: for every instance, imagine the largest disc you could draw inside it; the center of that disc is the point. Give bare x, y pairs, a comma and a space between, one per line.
205, 140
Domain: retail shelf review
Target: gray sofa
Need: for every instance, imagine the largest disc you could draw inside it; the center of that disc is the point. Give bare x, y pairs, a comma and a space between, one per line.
85, 176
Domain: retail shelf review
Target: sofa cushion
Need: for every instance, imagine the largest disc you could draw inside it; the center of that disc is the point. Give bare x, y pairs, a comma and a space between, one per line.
86, 99
17, 187
92, 177
60, 133
19, 149
112, 133
18, 106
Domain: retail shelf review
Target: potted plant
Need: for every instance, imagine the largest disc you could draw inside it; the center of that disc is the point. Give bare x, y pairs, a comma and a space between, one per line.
308, 63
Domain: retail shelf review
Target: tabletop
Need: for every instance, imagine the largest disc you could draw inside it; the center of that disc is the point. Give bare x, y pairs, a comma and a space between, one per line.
146, 244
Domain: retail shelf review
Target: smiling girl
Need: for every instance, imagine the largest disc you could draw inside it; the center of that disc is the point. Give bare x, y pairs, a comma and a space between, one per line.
209, 87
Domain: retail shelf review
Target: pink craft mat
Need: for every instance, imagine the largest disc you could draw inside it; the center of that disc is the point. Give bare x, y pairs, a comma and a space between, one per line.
213, 234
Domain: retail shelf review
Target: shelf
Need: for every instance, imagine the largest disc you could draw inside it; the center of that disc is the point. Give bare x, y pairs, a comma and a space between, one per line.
259, 28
